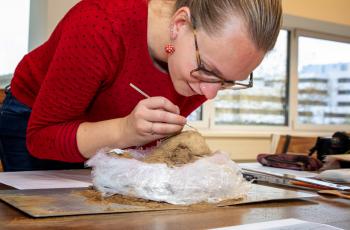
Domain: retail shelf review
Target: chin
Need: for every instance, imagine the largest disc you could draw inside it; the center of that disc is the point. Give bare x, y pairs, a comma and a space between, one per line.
182, 87
184, 90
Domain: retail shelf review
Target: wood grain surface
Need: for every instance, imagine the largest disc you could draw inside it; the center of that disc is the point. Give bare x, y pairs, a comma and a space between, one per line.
321, 209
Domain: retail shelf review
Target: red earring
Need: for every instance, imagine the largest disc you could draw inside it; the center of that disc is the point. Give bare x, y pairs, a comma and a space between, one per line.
169, 49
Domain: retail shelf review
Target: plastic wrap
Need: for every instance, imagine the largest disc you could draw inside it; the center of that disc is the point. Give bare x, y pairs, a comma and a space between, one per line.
210, 179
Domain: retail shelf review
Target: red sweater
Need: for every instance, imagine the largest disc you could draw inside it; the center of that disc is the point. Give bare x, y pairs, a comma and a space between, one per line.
82, 73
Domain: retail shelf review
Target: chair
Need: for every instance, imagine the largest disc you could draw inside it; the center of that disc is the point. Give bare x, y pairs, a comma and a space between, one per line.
292, 144
2, 95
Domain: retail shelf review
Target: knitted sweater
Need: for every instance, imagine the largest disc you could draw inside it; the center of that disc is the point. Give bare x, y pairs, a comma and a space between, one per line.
82, 73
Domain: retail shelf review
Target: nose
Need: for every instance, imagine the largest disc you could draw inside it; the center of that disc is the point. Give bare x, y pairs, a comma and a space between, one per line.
209, 90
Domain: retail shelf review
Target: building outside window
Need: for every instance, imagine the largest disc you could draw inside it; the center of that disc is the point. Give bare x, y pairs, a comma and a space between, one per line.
264, 104
324, 82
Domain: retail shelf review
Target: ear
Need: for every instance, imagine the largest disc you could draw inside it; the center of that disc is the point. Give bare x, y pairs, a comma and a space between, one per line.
179, 21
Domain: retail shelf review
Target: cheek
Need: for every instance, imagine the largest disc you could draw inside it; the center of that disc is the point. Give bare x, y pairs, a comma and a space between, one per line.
180, 67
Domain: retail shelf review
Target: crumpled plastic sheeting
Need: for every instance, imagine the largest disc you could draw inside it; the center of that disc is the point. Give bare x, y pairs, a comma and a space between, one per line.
210, 179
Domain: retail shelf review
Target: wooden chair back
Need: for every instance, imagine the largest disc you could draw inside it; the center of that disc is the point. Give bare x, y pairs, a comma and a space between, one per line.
295, 144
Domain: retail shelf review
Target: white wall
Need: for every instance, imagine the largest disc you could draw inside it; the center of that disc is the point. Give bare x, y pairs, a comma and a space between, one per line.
38, 23
335, 11
56, 10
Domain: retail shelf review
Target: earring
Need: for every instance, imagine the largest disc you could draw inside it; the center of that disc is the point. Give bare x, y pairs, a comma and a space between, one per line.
169, 49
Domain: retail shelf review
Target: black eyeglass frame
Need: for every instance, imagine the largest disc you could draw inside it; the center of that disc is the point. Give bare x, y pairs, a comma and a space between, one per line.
225, 84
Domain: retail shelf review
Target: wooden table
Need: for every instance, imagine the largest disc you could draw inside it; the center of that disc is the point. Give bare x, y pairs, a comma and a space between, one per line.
328, 210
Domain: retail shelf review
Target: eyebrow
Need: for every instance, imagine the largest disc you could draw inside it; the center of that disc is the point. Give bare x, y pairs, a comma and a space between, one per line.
213, 69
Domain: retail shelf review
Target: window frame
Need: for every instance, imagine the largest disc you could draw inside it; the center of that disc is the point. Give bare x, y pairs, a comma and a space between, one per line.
209, 110
327, 37
296, 26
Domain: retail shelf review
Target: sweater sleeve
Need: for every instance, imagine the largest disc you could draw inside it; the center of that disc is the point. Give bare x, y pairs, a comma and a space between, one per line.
88, 55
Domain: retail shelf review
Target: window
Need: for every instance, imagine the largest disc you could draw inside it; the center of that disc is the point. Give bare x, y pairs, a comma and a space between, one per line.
264, 104
196, 115
14, 36
316, 96
324, 81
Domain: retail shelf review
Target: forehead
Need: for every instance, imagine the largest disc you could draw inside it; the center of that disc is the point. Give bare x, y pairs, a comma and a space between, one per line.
231, 51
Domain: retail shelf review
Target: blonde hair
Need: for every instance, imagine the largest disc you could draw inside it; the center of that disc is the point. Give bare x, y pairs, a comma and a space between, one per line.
262, 17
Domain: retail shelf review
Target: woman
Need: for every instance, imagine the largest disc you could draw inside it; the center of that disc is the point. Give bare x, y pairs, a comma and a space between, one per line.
71, 96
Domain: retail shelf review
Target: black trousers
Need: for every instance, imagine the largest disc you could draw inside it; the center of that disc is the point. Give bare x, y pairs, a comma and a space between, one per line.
14, 154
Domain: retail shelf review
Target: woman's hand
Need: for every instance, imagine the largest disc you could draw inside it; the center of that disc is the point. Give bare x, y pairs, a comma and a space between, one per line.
153, 118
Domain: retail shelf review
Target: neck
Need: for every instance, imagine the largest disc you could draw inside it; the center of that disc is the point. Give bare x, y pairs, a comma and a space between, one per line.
158, 35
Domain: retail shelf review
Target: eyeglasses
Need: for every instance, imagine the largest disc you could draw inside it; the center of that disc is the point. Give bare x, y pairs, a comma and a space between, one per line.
204, 75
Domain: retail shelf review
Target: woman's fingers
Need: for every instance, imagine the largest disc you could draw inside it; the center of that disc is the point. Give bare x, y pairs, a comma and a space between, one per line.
153, 118
161, 103
160, 110
161, 116
165, 129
